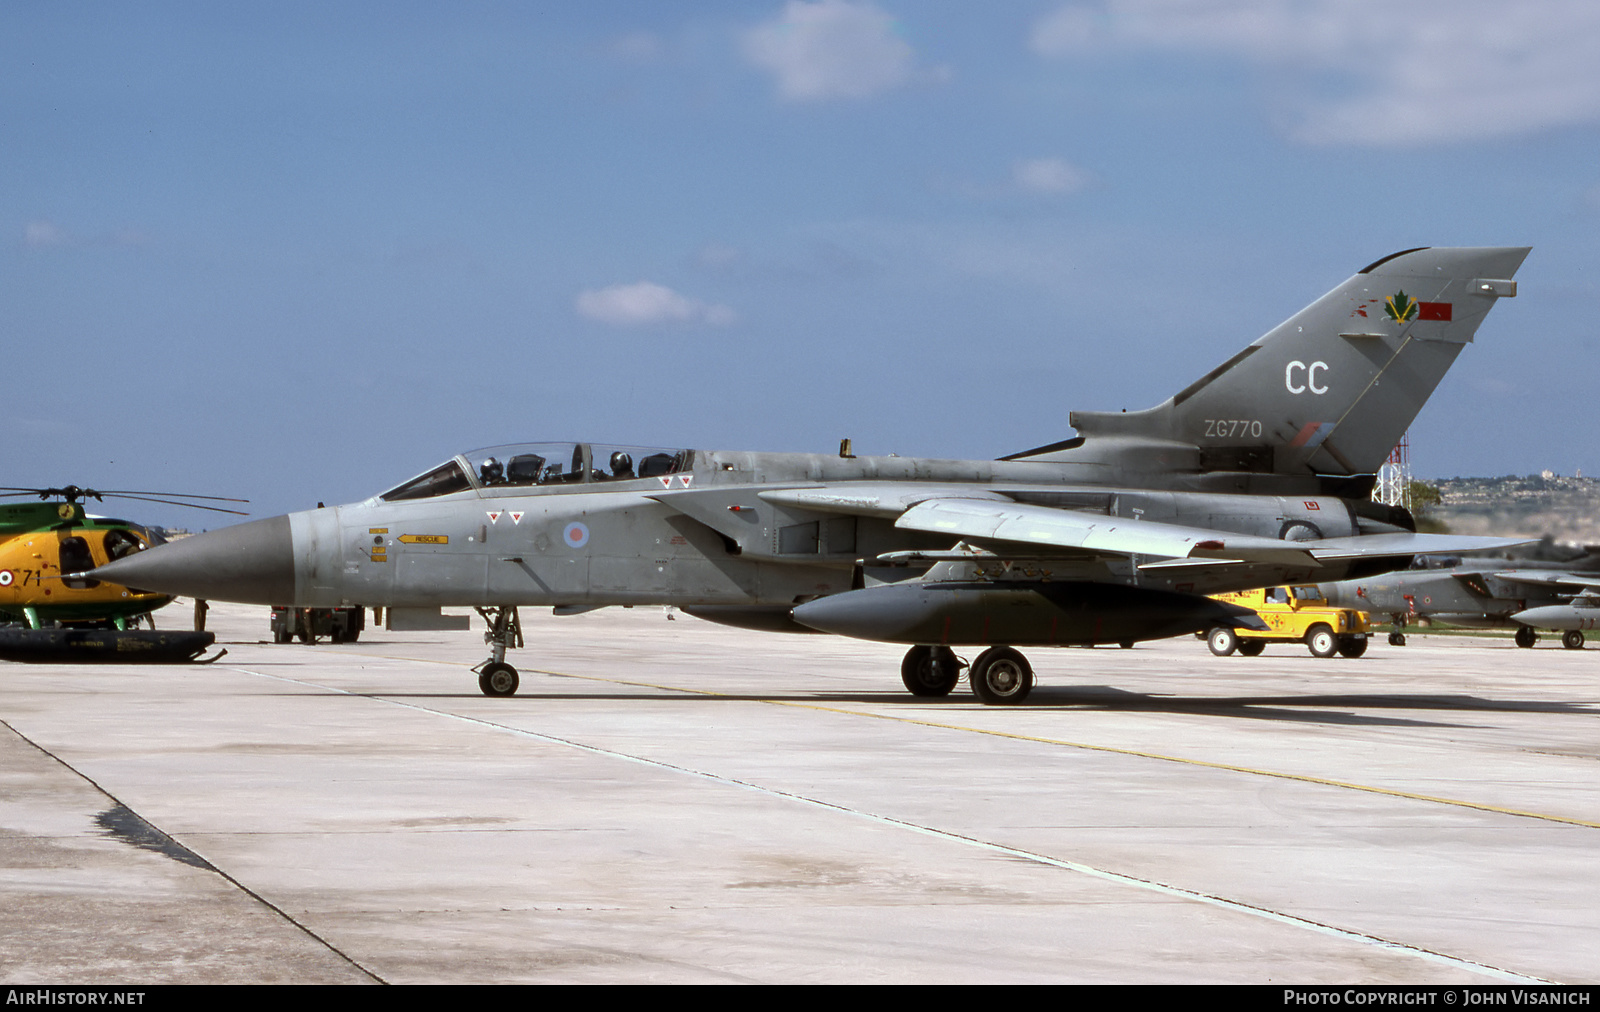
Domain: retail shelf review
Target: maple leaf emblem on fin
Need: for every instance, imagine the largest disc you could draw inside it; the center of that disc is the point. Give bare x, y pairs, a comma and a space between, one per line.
1400, 307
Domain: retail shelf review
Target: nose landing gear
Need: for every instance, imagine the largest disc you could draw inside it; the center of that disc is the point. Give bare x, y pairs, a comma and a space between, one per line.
495, 676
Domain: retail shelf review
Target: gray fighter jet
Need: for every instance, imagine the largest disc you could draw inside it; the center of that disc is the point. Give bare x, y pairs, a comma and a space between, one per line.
1482, 594
1256, 474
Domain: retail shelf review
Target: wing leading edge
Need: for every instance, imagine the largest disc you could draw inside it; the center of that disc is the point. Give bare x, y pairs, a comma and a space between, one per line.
998, 526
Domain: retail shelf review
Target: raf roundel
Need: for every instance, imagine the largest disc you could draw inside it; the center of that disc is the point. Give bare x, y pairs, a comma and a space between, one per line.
6, 577
575, 534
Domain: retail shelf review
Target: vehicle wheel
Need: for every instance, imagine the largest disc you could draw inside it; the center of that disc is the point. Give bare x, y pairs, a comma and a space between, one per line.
335, 635
1572, 639
930, 671
498, 680
351, 635
1126, 644
1222, 641
1352, 648
1001, 677
1526, 636
1321, 641
1251, 648
1397, 639
281, 635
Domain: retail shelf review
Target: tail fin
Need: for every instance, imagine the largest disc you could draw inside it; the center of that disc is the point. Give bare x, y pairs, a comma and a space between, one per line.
1331, 390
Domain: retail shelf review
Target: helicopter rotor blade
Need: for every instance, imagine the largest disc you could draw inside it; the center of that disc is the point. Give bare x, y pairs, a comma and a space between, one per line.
191, 505
175, 495
72, 493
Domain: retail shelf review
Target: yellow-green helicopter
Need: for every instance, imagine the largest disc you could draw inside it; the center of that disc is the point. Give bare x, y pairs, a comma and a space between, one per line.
56, 614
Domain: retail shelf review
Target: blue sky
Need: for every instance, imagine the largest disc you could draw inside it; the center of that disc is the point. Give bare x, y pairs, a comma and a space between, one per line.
299, 252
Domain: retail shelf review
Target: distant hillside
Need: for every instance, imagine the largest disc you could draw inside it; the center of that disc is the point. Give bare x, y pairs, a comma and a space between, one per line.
1531, 506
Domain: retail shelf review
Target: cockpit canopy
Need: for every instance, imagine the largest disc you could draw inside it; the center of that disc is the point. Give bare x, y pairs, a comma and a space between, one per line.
527, 464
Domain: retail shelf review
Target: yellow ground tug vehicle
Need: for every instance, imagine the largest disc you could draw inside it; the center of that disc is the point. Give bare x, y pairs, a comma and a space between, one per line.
1293, 615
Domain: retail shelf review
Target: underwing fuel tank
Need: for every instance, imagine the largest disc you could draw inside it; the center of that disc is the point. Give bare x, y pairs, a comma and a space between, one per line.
1561, 616
1031, 614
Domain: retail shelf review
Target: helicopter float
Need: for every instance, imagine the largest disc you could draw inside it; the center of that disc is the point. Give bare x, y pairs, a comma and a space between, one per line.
49, 613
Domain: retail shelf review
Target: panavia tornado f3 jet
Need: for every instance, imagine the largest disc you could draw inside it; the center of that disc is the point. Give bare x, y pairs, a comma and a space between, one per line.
1256, 474
1483, 594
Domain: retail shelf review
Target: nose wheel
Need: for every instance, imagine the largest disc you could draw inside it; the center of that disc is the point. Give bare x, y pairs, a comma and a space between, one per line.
495, 676
498, 679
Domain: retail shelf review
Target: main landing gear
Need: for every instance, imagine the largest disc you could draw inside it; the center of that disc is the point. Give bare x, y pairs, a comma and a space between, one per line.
931, 671
1526, 636
1000, 676
495, 676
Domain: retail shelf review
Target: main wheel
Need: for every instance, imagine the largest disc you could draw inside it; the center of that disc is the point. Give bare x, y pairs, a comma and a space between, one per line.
498, 680
1222, 641
1352, 648
1001, 677
1397, 639
930, 671
1251, 648
281, 635
1526, 636
1572, 639
1321, 641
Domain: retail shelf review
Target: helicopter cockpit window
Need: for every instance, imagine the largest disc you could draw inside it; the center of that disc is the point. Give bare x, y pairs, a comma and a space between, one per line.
120, 543
442, 480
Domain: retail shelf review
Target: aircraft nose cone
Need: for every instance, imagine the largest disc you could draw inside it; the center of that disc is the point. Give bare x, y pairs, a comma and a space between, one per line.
250, 563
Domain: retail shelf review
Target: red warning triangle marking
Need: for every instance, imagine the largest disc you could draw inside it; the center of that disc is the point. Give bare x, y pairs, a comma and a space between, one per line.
516, 517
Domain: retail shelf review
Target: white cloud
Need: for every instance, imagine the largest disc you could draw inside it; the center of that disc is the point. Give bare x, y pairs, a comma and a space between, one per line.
1049, 175
638, 47
1071, 29
1412, 73
644, 303
43, 233
830, 49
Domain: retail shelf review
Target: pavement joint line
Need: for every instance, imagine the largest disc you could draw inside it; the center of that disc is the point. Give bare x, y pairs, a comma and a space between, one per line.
1118, 878
1115, 750
209, 865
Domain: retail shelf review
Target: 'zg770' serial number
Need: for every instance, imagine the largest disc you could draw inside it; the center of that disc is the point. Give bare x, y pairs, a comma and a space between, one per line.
1232, 428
